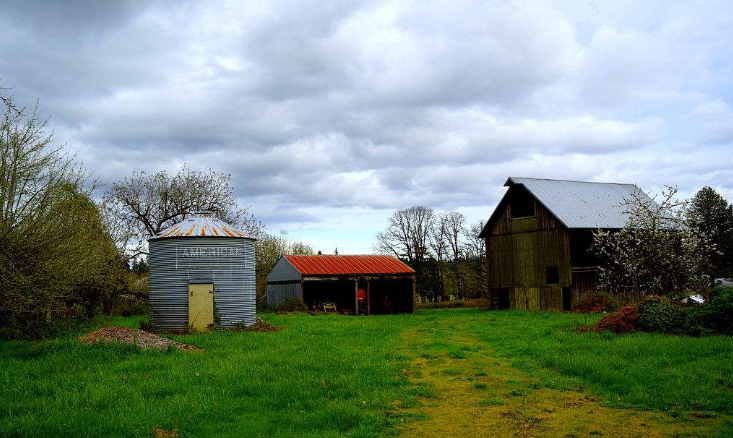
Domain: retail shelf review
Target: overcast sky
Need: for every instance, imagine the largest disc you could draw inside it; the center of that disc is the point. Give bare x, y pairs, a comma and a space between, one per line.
331, 115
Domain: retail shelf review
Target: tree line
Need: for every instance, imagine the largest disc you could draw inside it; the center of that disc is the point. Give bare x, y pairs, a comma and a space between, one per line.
667, 246
444, 250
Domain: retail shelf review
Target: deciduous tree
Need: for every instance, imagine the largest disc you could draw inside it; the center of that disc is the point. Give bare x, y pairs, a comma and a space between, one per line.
145, 204
53, 243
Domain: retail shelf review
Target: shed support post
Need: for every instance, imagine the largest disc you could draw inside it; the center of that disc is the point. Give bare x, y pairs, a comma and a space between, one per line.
414, 291
356, 297
369, 299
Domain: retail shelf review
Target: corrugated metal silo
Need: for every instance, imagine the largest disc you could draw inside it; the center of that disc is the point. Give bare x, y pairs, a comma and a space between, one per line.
186, 260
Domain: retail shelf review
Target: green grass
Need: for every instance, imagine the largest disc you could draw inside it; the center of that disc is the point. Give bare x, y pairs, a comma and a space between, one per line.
331, 376
642, 370
320, 376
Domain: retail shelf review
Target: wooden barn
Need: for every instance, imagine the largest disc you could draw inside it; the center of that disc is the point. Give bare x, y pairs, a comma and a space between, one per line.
538, 240
348, 284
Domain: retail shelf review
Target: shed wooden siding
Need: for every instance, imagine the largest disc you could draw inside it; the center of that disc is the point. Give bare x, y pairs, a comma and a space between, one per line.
278, 293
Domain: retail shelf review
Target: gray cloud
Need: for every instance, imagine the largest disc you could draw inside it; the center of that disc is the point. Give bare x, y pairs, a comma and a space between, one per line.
347, 106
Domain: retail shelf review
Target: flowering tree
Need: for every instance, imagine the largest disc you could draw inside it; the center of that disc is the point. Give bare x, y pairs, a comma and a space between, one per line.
656, 252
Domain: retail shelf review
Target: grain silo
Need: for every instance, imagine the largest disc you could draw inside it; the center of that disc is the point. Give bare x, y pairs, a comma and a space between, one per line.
202, 275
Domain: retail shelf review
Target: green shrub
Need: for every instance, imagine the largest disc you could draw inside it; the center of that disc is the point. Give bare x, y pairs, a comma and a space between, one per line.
657, 314
715, 316
452, 304
291, 305
147, 326
596, 302
134, 310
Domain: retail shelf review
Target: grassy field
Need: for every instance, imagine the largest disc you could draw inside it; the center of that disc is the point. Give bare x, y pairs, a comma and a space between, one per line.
439, 372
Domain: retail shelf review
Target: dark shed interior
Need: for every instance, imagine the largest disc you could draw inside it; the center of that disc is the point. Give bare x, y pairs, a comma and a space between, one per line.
378, 296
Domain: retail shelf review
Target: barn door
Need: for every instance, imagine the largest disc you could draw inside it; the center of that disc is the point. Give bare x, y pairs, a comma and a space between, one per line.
567, 299
201, 307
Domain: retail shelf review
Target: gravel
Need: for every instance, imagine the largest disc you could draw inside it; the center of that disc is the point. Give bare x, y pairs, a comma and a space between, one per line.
141, 338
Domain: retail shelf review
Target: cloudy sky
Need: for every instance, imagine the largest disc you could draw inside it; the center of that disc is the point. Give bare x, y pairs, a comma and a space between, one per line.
331, 115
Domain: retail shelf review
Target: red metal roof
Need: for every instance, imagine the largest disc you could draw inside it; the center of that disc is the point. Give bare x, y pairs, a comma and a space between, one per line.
347, 264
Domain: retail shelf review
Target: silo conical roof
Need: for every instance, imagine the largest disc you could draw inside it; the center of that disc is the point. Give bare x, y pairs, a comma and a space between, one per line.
200, 224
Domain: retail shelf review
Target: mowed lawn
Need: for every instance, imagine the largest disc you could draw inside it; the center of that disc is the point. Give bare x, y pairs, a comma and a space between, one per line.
333, 375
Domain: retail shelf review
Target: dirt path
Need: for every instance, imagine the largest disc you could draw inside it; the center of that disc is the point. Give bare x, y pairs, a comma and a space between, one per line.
466, 391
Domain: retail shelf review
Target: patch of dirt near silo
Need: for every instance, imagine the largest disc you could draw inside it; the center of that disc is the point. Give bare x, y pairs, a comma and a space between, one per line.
141, 338
259, 326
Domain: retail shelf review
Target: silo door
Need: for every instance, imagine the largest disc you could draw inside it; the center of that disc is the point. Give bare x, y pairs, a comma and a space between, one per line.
201, 307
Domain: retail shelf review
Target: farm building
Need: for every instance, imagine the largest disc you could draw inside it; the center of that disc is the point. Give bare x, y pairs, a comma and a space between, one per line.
202, 275
354, 284
538, 240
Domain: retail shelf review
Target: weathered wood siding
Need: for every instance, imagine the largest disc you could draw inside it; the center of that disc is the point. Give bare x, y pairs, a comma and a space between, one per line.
536, 298
519, 251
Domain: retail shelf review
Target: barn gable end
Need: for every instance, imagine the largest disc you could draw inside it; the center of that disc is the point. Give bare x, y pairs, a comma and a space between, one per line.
537, 240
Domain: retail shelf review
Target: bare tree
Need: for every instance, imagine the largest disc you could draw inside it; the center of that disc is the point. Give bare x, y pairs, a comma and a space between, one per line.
475, 252
145, 204
439, 245
455, 224
408, 237
408, 234
475, 246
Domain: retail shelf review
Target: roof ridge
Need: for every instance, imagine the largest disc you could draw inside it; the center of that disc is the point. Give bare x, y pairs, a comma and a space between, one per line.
574, 180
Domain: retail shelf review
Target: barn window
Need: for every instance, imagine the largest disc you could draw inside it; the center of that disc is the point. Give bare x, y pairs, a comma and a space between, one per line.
552, 275
521, 204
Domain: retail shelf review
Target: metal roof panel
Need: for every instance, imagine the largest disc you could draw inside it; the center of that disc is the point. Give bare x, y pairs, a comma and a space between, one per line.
200, 224
580, 204
347, 264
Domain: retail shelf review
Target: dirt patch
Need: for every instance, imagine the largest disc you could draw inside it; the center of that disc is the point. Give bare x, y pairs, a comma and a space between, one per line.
259, 326
141, 338
159, 432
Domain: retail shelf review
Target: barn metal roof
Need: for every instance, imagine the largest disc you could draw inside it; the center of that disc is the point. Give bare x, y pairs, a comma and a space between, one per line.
580, 204
347, 264
200, 224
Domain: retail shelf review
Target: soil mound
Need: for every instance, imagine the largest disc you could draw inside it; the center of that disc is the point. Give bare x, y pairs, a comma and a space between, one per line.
141, 338
259, 326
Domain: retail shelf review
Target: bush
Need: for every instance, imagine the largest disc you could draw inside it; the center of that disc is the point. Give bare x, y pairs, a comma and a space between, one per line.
147, 326
291, 305
596, 302
716, 316
452, 304
658, 314
623, 321
134, 310
478, 303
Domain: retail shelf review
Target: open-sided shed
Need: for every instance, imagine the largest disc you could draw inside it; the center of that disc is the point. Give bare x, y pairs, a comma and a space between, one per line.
355, 284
